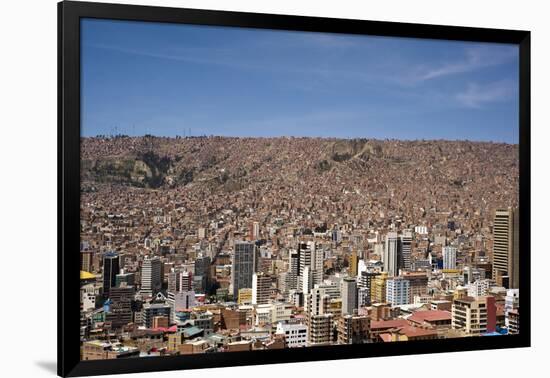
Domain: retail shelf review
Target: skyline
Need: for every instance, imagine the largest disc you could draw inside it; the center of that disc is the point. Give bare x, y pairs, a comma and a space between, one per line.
225, 244
166, 79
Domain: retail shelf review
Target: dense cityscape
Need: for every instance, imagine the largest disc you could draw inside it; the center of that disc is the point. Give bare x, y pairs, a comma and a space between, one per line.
219, 244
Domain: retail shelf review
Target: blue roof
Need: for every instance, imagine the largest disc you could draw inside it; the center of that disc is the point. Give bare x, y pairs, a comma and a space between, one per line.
192, 331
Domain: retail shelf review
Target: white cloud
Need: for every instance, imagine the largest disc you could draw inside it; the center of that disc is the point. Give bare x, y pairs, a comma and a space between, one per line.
475, 95
475, 58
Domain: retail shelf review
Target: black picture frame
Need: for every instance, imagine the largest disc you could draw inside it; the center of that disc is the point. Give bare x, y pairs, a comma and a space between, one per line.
69, 15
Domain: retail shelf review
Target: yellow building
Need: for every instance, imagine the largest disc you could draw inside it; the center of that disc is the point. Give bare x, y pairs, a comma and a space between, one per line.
378, 289
335, 307
460, 292
174, 341
245, 296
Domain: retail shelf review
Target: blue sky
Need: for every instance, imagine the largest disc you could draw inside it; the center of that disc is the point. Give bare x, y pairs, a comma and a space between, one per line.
168, 79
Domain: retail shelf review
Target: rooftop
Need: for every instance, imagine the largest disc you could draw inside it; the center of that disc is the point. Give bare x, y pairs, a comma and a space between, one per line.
430, 316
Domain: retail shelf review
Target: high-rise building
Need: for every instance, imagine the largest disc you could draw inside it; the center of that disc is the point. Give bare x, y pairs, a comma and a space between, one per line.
349, 295
378, 289
474, 316
293, 270
398, 291
418, 284
120, 310
244, 265
202, 270
353, 264
186, 281
174, 280
506, 248
111, 267
449, 257
511, 302
306, 280
391, 254
151, 280
405, 248
86, 260
261, 288
318, 317
353, 329
311, 258
366, 281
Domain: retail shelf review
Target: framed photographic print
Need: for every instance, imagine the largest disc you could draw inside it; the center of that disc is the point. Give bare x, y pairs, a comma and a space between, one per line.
239, 188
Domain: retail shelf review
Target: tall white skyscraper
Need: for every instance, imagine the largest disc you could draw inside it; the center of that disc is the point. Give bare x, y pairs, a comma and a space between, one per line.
391, 251
151, 280
449, 257
311, 258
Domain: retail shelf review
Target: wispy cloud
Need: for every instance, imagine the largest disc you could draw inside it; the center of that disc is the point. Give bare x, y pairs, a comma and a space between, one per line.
476, 96
474, 59
231, 58
189, 55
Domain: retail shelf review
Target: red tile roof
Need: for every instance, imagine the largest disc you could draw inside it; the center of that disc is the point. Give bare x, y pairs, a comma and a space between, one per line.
430, 316
383, 324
